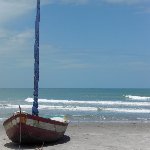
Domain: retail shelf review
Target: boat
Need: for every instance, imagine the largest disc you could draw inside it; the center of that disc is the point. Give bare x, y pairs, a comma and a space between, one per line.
24, 128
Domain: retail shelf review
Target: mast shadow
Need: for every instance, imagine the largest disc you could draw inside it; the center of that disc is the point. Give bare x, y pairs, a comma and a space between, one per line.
11, 145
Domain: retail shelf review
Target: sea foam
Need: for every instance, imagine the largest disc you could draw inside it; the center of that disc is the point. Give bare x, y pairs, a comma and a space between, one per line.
81, 109
69, 102
131, 97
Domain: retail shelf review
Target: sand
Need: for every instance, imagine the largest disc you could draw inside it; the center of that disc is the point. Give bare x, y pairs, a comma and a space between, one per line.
94, 136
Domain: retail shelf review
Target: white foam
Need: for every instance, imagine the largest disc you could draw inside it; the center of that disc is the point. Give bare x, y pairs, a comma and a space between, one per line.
60, 119
82, 109
124, 110
137, 97
1, 119
68, 108
30, 100
9, 106
120, 103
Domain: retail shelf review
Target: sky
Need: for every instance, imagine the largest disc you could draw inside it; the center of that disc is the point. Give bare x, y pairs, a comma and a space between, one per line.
83, 43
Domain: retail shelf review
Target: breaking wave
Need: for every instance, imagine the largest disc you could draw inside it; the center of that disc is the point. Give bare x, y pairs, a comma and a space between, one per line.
120, 103
131, 97
69, 108
80, 109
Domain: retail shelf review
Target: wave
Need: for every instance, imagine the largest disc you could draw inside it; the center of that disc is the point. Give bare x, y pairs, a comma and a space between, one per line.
125, 110
9, 106
120, 103
77, 108
131, 97
2, 119
80, 109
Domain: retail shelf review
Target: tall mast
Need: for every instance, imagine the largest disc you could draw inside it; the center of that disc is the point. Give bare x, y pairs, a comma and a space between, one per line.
36, 63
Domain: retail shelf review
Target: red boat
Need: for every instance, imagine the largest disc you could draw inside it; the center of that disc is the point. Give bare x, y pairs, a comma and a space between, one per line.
25, 128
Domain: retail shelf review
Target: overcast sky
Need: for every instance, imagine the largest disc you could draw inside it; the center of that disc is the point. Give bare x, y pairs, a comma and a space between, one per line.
83, 43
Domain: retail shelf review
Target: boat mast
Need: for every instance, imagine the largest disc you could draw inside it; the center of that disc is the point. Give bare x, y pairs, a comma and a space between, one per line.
36, 63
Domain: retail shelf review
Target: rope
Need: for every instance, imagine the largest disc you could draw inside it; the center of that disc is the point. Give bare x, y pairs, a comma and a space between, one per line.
20, 128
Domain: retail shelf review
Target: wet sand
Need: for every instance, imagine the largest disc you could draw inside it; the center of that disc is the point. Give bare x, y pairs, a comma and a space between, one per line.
93, 136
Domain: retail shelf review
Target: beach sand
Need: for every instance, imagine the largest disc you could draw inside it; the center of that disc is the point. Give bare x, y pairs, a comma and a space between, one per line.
94, 136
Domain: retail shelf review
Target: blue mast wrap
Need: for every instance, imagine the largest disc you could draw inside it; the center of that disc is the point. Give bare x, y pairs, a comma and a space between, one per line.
36, 63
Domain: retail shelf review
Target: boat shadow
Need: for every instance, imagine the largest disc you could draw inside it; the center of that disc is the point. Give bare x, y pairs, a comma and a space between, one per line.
15, 146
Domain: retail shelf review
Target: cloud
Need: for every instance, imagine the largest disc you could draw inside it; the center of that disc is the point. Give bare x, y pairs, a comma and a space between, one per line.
16, 47
100, 1
4, 34
56, 58
11, 9
16, 43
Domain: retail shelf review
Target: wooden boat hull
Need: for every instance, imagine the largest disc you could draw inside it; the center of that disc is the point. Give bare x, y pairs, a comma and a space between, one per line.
24, 128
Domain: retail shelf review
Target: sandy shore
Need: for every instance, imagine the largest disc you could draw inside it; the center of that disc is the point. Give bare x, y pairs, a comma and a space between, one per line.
94, 136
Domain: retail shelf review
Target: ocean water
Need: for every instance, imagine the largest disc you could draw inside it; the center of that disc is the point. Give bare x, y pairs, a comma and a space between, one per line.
79, 104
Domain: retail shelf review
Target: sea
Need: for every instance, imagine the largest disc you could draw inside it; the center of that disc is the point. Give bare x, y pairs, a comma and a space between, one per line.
80, 104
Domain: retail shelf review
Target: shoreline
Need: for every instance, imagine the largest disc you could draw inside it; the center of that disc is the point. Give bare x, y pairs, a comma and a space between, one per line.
94, 136
100, 121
